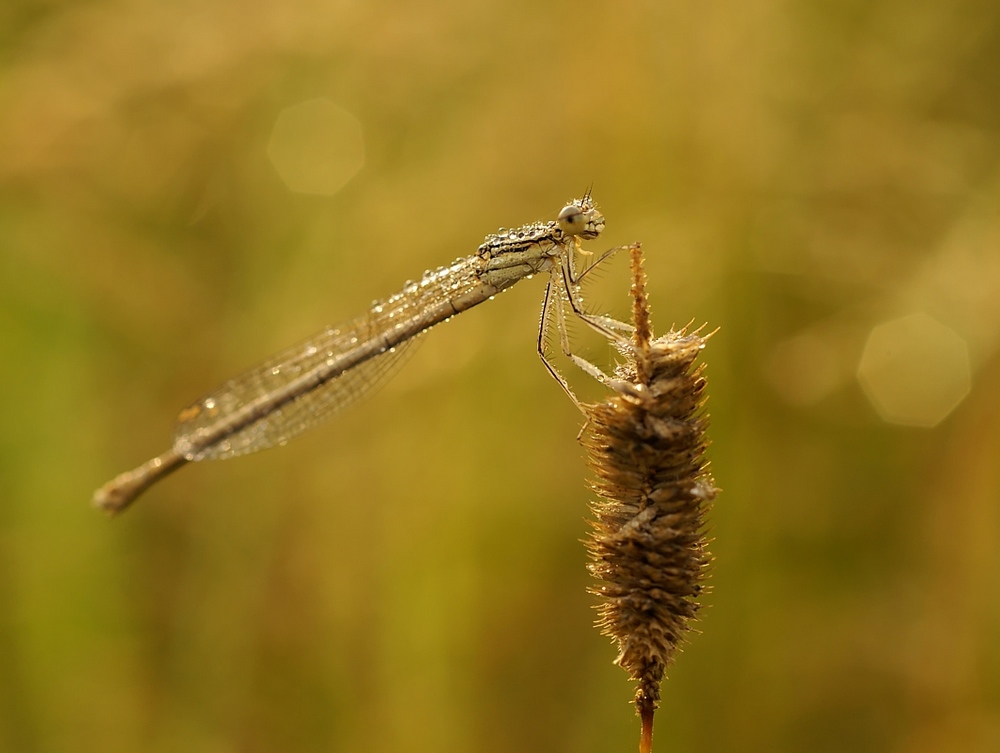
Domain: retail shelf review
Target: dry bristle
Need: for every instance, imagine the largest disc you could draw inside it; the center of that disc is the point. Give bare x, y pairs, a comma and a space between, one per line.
646, 446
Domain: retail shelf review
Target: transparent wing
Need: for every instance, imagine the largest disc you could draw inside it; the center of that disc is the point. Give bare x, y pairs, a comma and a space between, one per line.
328, 397
295, 417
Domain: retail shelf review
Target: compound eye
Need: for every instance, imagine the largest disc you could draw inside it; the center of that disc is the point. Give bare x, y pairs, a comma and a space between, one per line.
572, 220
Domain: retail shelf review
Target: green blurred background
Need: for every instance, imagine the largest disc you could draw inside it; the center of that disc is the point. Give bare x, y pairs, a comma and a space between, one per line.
186, 187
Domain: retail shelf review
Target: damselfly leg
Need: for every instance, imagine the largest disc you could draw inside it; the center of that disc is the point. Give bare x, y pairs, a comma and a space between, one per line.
564, 287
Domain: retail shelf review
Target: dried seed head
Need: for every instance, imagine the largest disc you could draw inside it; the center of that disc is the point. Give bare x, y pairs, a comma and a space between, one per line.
646, 446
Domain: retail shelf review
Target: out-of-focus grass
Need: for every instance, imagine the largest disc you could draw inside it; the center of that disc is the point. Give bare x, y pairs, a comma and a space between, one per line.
410, 578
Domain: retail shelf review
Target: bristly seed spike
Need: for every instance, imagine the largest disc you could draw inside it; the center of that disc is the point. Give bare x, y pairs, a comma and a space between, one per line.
649, 552
640, 304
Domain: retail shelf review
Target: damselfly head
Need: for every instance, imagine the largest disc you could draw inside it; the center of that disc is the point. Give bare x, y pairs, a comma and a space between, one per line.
581, 218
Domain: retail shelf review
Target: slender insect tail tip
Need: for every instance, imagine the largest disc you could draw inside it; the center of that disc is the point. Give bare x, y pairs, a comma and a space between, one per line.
111, 499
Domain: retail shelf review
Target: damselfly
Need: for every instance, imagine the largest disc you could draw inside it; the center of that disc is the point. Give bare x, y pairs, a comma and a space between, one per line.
302, 385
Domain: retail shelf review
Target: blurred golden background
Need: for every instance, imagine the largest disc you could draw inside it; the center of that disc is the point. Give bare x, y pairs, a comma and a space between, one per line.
187, 187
